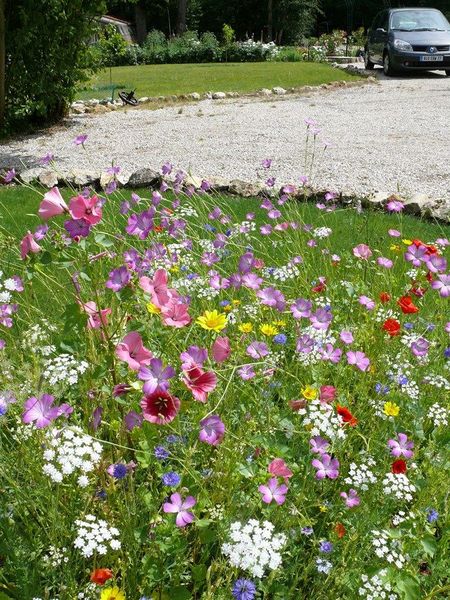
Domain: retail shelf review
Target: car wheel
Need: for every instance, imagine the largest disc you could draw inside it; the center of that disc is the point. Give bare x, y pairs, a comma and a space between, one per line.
447, 72
387, 67
368, 64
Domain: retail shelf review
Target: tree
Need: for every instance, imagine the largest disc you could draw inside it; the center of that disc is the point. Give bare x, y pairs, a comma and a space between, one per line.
181, 17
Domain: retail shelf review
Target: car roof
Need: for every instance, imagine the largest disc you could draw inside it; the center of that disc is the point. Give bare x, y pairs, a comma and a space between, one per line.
421, 8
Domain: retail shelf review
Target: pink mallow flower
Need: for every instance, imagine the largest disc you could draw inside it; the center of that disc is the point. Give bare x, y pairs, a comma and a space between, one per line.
221, 349
359, 359
88, 209
180, 506
401, 446
326, 467
175, 314
273, 491
362, 251
28, 246
52, 204
212, 430
200, 382
279, 468
96, 318
442, 284
132, 351
351, 499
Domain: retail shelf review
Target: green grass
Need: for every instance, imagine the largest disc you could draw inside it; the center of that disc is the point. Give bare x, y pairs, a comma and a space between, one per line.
166, 80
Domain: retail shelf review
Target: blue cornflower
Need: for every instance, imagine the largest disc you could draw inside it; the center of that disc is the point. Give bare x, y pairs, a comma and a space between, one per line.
402, 380
431, 327
119, 470
326, 546
224, 302
3, 409
307, 530
174, 439
101, 494
280, 338
432, 515
447, 352
244, 589
161, 453
171, 479
210, 227
408, 325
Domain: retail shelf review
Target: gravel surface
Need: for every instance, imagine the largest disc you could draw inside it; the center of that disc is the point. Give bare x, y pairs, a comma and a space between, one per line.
389, 136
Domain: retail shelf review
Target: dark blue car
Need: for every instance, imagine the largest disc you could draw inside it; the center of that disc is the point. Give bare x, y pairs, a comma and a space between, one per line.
409, 39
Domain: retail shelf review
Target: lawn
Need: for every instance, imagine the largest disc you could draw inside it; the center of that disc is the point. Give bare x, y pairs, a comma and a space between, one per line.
166, 80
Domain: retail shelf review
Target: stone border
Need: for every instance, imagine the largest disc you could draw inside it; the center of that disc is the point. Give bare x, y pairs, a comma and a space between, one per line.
95, 106
419, 205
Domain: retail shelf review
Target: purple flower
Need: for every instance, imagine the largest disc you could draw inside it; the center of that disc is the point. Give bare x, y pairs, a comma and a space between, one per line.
47, 159
246, 263
332, 354
193, 357
252, 281
272, 297
118, 470
132, 419
301, 308
319, 444
266, 229
326, 547
257, 350
326, 467
266, 163
362, 251
171, 479
155, 376
442, 284
420, 347
436, 263
351, 499
432, 515
77, 228
346, 337
180, 506
9, 176
6, 398
395, 206
401, 446
415, 255
118, 279
273, 491
212, 430
305, 344
359, 359
40, 410
141, 224
280, 339
40, 232
366, 302
243, 589
96, 418
246, 372
321, 319
80, 139
385, 262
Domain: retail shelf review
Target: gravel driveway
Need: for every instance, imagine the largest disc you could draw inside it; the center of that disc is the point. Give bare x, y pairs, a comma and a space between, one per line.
389, 136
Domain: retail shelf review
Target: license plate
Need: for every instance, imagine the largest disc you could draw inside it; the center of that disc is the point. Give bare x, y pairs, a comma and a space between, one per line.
431, 58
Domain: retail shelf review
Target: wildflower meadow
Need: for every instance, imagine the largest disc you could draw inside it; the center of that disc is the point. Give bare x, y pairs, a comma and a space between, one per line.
215, 398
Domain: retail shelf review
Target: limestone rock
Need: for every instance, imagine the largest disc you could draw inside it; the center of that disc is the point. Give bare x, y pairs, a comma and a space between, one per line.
192, 180
30, 175
440, 210
244, 188
48, 178
417, 204
218, 95
79, 109
143, 100
100, 109
81, 178
143, 177
265, 92
377, 200
279, 91
194, 96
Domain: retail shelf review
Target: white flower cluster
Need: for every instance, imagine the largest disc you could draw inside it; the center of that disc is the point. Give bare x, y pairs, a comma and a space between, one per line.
323, 565
361, 476
400, 372
95, 535
387, 548
64, 368
399, 486
283, 273
89, 593
376, 587
254, 547
38, 337
56, 556
69, 450
322, 232
323, 420
438, 381
383, 313
401, 517
438, 414
184, 211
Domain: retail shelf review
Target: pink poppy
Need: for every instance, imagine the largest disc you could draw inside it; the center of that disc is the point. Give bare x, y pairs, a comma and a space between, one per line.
279, 468
86, 208
221, 349
160, 407
132, 351
175, 314
28, 245
200, 382
52, 204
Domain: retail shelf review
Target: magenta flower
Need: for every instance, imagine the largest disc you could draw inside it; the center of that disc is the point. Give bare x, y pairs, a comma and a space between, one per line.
175, 314
301, 308
401, 446
442, 284
193, 357
160, 407
279, 468
385, 262
366, 302
80, 139
305, 344
346, 337
266, 163
118, 279
362, 251
180, 506
155, 376
88, 209
330, 353
200, 382
221, 349
351, 499
321, 319
42, 411
252, 281
212, 430
416, 255
77, 228
6, 312
394, 233
52, 204
141, 224
420, 347
157, 288
272, 297
326, 467
273, 491
132, 351
359, 359
9, 176
246, 372
28, 246
257, 350
319, 444
395, 206
436, 263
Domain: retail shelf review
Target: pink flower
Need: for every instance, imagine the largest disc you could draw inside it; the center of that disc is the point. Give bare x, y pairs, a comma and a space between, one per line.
175, 314
367, 302
385, 262
160, 407
200, 382
351, 499
86, 208
394, 233
395, 205
273, 491
442, 283
279, 468
42, 410
28, 245
96, 318
346, 337
212, 430
157, 288
359, 359
326, 467
131, 350
52, 204
221, 349
362, 251
401, 446
327, 393
180, 506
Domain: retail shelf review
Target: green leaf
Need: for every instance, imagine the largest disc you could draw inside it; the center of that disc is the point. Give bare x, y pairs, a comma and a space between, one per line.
203, 522
46, 258
409, 587
199, 573
179, 593
429, 545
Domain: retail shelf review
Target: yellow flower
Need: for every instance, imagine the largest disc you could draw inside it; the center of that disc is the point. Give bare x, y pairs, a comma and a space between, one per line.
245, 327
309, 393
279, 323
236, 302
407, 242
212, 320
228, 308
395, 247
268, 329
112, 593
174, 269
323, 508
391, 409
153, 309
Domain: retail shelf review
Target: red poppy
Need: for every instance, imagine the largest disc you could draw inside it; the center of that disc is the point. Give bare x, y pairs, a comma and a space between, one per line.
101, 576
392, 327
346, 415
407, 305
340, 530
430, 248
398, 466
384, 297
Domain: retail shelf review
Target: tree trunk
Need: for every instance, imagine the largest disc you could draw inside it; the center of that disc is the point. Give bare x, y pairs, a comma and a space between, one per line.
2, 63
140, 19
269, 20
181, 18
